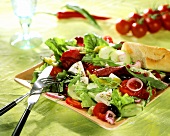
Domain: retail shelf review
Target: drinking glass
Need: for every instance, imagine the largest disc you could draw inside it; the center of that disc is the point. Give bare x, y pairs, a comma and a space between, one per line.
24, 10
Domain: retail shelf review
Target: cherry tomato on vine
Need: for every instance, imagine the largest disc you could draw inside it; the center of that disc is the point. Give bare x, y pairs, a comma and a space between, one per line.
166, 21
150, 12
133, 17
154, 24
139, 30
163, 8
122, 26
147, 12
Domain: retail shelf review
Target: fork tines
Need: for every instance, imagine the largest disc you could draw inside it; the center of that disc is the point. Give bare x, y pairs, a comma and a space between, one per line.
48, 81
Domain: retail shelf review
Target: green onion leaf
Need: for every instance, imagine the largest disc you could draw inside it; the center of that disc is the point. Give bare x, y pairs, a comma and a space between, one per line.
84, 13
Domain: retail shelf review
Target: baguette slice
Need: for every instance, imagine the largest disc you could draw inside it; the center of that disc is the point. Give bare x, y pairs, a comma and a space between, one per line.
152, 57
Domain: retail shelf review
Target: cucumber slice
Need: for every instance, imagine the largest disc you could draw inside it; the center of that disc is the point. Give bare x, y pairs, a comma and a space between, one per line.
123, 57
105, 52
131, 110
71, 92
114, 56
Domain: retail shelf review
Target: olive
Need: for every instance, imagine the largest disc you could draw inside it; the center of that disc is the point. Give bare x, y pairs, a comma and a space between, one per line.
167, 79
114, 109
124, 77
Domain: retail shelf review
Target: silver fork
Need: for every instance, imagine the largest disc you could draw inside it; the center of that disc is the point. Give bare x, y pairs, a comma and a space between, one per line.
36, 86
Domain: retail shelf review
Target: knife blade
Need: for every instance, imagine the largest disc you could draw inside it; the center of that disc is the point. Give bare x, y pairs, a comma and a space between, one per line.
33, 98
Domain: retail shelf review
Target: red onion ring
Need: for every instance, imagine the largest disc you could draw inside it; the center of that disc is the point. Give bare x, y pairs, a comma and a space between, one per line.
55, 95
110, 117
136, 80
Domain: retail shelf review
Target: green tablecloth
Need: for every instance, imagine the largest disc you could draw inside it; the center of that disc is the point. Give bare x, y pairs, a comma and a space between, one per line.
49, 118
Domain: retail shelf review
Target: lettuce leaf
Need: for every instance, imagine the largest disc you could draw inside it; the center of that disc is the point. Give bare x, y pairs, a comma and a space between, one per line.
92, 40
82, 92
119, 101
59, 45
86, 100
96, 61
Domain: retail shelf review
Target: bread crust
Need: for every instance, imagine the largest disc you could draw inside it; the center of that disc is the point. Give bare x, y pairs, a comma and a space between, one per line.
152, 57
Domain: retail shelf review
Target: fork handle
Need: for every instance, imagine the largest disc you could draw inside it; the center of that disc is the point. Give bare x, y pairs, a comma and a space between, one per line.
7, 107
12, 104
22, 121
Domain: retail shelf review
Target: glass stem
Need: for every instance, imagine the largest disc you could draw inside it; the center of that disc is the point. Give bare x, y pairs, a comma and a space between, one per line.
25, 24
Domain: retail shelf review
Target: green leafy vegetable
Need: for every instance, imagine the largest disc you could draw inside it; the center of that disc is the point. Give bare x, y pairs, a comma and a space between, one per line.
74, 80
86, 100
104, 83
149, 80
92, 40
84, 13
119, 101
59, 45
81, 91
95, 60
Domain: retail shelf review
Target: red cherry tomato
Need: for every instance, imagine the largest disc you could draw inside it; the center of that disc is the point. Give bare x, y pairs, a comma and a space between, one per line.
154, 25
122, 26
149, 12
73, 102
100, 110
55, 70
166, 21
139, 30
108, 39
163, 8
134, 17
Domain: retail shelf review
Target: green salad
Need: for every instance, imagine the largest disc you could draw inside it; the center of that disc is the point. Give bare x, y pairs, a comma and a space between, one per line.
94, 73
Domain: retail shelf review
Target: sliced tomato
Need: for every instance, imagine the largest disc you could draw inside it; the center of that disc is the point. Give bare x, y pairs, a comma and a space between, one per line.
143, 94
124, 89
73, 102
100, 110
55, 70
